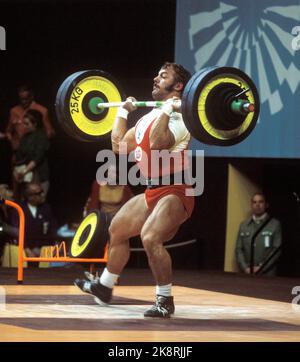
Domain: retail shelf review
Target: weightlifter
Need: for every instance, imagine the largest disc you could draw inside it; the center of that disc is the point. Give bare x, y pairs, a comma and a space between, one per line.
157, 214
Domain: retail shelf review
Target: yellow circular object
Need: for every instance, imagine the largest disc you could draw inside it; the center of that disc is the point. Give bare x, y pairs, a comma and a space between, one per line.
80, 118
220, 105
89, 223
76, 104
202, 108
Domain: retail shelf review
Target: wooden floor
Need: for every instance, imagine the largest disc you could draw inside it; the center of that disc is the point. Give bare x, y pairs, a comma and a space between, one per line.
64, 313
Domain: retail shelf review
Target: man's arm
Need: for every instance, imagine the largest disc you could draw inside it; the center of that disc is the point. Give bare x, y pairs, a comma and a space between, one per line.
9, 127
276, 244
127, 138
40, 152
239, 253
161, 136
120, 133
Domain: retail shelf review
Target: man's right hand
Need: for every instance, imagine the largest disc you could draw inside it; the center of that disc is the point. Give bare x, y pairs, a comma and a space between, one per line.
128, 104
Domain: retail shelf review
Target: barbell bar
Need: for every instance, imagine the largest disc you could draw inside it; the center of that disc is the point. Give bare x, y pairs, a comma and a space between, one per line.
220, 105
135, 103
238, 105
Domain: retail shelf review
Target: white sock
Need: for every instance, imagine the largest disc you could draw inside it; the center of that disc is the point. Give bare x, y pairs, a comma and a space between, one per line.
108, 279
164, 290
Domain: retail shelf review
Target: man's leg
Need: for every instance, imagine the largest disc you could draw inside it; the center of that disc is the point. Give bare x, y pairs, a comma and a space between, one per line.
126, 223
163, 223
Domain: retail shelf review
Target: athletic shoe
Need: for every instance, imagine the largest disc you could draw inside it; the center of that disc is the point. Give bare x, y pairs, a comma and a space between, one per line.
91, 277
83, 285
102, 293
163, 308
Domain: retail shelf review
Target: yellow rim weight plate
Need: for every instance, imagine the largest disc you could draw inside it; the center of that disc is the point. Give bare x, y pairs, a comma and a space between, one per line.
187, 104
202, 109
61, 107
76, 104
206, 105
80, 119
78, 247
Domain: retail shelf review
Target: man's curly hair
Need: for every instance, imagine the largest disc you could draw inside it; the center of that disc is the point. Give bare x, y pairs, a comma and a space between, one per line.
181, 74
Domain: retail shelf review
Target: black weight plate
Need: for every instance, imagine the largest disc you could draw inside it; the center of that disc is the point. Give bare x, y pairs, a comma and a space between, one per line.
91, 236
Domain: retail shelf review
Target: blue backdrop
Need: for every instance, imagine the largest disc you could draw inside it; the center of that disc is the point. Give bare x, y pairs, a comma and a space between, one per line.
255, 36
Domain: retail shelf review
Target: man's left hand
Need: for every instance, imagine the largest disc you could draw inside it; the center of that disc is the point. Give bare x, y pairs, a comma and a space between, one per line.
176, 104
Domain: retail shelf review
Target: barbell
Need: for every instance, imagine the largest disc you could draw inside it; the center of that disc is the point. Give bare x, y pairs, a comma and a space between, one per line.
220, 105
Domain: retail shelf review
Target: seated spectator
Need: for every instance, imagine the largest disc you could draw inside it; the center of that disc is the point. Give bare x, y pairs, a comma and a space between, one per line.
15, 128
31, 163
107, 196
5, 161
267, 242
40, 224
67, 231
7, 231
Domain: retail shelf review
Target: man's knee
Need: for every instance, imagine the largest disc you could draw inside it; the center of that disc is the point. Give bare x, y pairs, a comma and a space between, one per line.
117, 231
114, 230
151, 242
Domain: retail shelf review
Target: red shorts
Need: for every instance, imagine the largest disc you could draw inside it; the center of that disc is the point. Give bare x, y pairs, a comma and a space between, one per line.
154, 195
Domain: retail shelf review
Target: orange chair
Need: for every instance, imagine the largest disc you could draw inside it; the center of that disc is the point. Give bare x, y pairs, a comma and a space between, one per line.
54, 251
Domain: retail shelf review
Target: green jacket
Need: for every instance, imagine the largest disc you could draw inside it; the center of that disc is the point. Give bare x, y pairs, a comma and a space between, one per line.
268, 240
34, 147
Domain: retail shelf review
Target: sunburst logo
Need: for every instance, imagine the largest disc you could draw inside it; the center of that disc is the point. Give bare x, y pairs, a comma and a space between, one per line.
296, 41
256, 39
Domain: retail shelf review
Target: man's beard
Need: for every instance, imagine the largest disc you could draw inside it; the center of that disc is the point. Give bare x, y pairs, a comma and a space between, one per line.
170, 88
159, 96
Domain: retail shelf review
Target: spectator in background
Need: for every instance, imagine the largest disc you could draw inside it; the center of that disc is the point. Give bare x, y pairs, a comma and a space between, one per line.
39, 220
15, 128
267, 242
7, 231
31, 162
5, 160
107, 196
